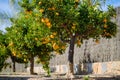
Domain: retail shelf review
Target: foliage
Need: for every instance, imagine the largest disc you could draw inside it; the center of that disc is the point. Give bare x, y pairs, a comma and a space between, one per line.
86, 77
80, 18
3, 51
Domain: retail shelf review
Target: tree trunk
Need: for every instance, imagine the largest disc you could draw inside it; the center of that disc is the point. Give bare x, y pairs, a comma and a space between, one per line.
71, 55
13, 63
32, 64
14, 69
85, 58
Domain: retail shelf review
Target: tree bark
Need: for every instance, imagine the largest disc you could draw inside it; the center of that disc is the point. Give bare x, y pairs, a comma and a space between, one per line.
71, 55
32, 64
13, 63
14, 69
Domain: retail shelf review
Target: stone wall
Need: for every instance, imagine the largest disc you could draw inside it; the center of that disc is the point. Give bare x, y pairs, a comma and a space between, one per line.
86, 68
103, 67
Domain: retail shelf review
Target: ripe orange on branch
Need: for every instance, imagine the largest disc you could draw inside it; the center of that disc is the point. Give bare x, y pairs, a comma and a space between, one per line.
51, 36
49, 24
46, 20
105, 25
43, 20
105, 20
55, 46
57, 13
41, 10
40, 3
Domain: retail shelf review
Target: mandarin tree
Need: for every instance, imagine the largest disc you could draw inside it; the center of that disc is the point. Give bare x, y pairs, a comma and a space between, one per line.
25, 38
30, 36
77, 20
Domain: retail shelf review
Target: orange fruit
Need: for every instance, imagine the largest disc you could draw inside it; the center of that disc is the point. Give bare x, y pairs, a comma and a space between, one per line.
11, 44
78, 42
73, 27
43, 20
49, 8
105, 20
26, 17
54, 33
48, 24
45, 40
53, 8
104, 30
36, 39
14, 53
57, 13
41, 10
55, 46
51, 36
46, 20
40, 3
25, 60
105, 26
73, 24
76, 0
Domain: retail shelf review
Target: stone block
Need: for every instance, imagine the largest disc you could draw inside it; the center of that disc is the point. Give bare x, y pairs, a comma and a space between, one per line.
38, 70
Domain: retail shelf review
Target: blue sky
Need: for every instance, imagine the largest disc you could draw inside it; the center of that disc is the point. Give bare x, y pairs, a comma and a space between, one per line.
5, 6
115, 3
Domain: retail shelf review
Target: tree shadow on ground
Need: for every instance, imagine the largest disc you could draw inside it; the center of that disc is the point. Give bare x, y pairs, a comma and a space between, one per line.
107, 78
14, 78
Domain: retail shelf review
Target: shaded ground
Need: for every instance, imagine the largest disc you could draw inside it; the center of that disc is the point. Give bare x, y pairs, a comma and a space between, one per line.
77, 77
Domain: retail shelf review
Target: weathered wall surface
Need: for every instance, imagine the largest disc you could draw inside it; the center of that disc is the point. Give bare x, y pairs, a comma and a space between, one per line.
103, 68
87, 68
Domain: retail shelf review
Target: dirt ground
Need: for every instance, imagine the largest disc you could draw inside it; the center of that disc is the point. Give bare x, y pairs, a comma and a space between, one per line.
58, 77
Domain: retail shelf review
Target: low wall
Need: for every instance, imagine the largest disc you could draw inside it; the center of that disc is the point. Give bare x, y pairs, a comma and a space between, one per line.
103, 67
88, 68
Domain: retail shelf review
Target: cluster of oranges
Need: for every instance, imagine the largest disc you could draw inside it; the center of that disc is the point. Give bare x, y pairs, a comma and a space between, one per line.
56, 47
45, 40
106, 26
28, 13
47, 22
13, 52
53, 8
53, 35
105, 21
